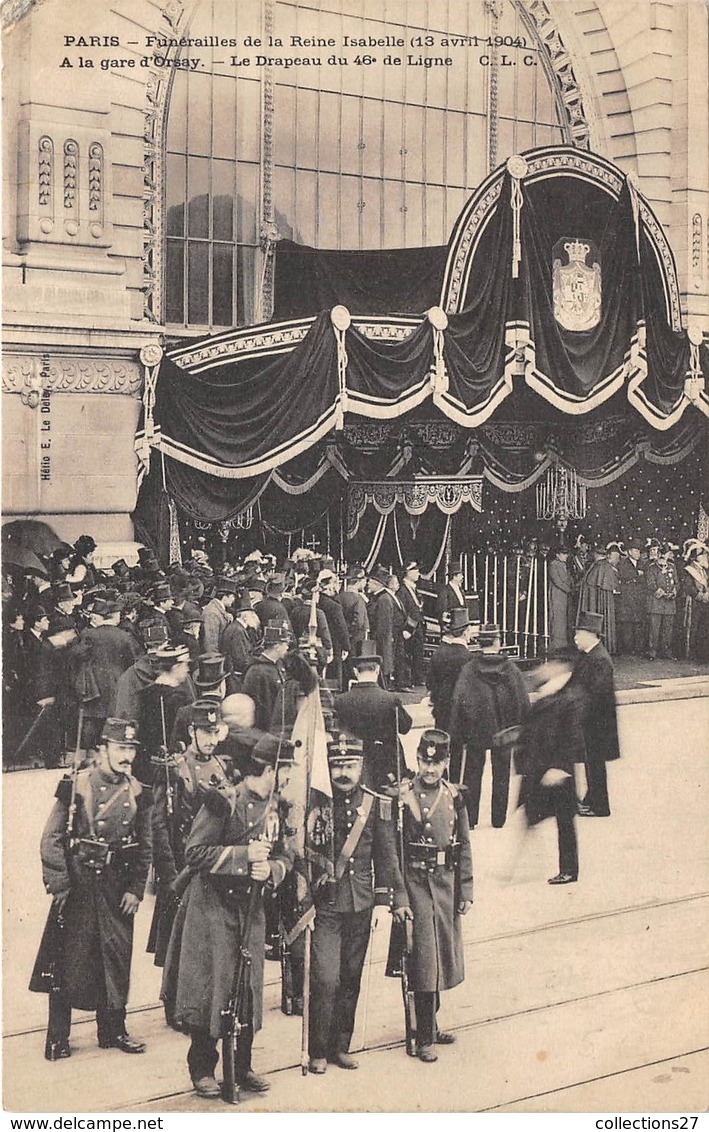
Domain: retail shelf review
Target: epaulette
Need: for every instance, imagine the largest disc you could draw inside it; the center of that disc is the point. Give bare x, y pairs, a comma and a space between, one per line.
451, 787
384, 807
219, 803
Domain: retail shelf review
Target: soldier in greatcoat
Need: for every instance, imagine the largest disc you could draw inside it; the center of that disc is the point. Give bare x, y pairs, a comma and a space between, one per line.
235, 843
438, 874
363, 849
179, 791
95, 864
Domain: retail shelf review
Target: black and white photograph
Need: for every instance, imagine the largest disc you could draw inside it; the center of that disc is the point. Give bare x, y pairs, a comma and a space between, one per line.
355, 560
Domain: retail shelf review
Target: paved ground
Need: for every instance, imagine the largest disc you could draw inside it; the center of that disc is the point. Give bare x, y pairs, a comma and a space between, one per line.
591, 997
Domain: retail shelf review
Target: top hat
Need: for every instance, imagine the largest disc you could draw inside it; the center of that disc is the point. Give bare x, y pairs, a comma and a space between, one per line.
355, 573
161, 592
434, 746
489, 629
146, 554
123, 731
62, 591
255, 585
344, 747
192, 616
210, 670
380, 574
60, 623
367, 653
634, 544
455, 568
276, 633
591, 622
225, 586
276, 585
244, 605
459, 620
272, 751
99, 607
120, 566
207, 715
129, 601
154, 633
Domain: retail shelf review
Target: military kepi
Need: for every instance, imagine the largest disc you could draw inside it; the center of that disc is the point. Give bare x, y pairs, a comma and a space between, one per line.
343, 747
207, 715
123, 731
434, 746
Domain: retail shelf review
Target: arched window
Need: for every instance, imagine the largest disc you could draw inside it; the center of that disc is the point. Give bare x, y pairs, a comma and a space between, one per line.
351, 155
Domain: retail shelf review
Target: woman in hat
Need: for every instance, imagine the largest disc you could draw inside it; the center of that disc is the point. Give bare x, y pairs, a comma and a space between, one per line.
81, 568
695, 587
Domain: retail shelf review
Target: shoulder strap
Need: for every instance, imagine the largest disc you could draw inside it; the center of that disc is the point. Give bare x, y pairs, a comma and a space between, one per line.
354, 835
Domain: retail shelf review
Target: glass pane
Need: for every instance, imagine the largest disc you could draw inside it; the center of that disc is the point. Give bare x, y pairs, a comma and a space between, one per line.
414, 216
306, 126
177, 121
198, 283
306, 206
416, 13
455, 203
546, 108
198, 208
174, 282
435, 216
458, 94
393, 140
175, 196
413, 132
352, 194
284, 202
525, 136
248, 15
223, 176
246, 263
475, 103
455, 149
284, 125
393, 220
393, 75
505, 140
414, 79
372, 138
247, 203
329, 123
224, 109
248, 120
438, 75
223, 285
525, 88
329, 212
372, 214
507, 83
351, 153
435, 137
198, 113
477, 150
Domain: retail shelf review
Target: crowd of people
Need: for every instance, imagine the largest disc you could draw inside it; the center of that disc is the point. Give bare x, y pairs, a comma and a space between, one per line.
179, 698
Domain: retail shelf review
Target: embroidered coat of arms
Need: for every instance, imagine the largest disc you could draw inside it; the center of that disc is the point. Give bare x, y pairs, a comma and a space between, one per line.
576, 287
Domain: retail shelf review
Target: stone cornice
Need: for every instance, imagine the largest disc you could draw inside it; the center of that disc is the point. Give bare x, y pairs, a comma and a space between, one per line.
67, 373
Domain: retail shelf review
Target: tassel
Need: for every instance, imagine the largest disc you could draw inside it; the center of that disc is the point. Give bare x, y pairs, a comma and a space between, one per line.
517, 169
439, 377
150, 356
341, 321
175, 547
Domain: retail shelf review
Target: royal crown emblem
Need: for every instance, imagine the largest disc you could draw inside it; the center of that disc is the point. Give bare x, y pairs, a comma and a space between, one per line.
431, 750
576, 286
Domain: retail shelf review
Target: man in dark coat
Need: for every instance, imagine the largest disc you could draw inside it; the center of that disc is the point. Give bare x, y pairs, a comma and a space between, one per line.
489, 698
300, 613
179, 790
631, 610
451, 596
336, 623
414, 633
235, 843
439, 880
386, 620
142, 672
550, 744
265, 676
95, 864
363, 850
238, 639
271, 607
593, 677
44, 684
158, 705
375, 716
354, 606
103, 653
445, 665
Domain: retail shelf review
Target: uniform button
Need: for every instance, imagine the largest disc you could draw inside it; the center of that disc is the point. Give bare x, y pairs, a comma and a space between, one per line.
250, 824
101, 821
351, 860
126, 805
351, 872
250, 806
103, 788
428, 825
125, 823
425, 809
349, 813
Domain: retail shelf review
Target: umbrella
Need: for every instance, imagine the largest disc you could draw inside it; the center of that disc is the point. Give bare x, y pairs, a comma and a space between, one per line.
32, 535
26, 560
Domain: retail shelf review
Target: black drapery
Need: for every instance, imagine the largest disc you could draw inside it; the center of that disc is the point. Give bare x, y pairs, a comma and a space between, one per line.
405, 280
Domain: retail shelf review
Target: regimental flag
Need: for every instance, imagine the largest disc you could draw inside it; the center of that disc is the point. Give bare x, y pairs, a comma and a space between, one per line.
307, 799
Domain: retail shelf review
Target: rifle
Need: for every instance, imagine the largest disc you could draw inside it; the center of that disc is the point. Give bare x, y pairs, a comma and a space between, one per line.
407, 935
286, 972
235, 1017
30, 732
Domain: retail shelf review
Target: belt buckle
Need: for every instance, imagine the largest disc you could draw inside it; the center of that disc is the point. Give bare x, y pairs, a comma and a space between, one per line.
441, 857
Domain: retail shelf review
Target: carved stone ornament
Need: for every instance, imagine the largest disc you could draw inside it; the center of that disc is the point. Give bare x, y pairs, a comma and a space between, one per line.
66, 374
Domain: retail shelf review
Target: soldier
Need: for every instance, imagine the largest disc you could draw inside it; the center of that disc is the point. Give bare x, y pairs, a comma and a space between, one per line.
374, 715
179, 791
234, 844
96, 850
363, 843
439, 881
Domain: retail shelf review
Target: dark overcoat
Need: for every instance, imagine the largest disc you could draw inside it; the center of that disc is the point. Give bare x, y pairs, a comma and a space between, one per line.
207, 935
632, 601
437, 956
371, 713
441, 676
552, 738
593, 678
96, 942
107, 652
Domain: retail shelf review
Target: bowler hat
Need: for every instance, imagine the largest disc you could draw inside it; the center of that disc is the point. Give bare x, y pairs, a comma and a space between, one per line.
459, 620
434, 746
192, 617
272, 751
367, 654
99, 608
210, 671
634, 544
355, 574
123, 731
343, 747
207, 715
591, 622
380, 574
